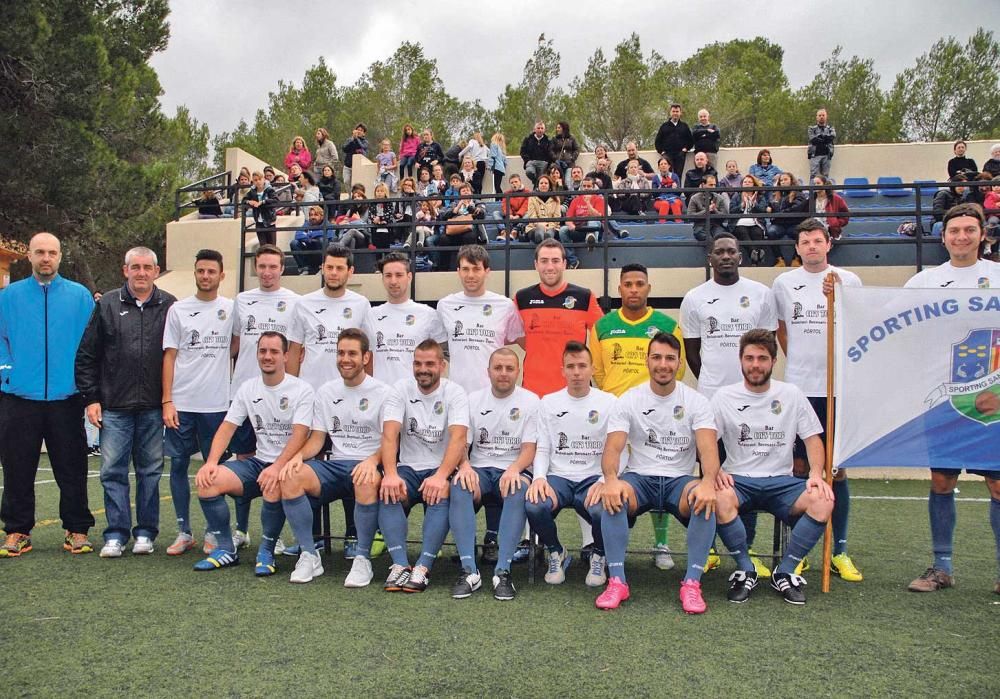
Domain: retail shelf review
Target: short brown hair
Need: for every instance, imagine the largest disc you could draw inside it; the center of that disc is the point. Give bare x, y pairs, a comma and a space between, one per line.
354, 334
810, 225
393, 257
576, 347
430, 345
474, 254
761, 338
550, 243
268, 249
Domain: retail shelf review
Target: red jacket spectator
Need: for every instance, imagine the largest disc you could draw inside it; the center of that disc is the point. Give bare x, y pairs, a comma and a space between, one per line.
518, 205
298, 153
578, 209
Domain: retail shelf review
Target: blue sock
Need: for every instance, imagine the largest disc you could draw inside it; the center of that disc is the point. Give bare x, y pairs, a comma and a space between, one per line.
180, 492
700, 535
942, 511
493, 515
435, 530
512, 521
272, 519
350, 529
596, 514
995, 523
804, 536
462, 517
392, 522
366, 519
841, 510
750, 525
217, 521
614, 531
299, 513
543, 522
734, 536
242, 513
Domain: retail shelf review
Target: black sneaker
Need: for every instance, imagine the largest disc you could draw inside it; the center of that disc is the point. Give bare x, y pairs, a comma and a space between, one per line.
741, 584
418, 580
503, 588
522, 552
789, 586
585, 553
398, 575
491, 550
466, 584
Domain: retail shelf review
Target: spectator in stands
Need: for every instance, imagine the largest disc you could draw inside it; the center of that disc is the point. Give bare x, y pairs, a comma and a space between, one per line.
633, 195
298, 154
743, 206
468, 171
480, 153
261, 201
268, 174
430, 152
236, 193
632, 155
326, 153
329, 185
208, 204
788, 201
543, 204
992, 206
706, 137
438, 179
827, 201
357, 144
575, 181
452, 161
555, 177
820, 150
765, 170
356, 217
536, 153
602, 173
382, 215
513, 208
706, 210
957, 193
463, 224
425, 187
451, 193
310, 238
674, 139
307, 185
409, 144
960, 163
565, 149
284, 193
667, 202
702, 169
590, 207
733, 177
497, 160
387, 163
406, 210
425, 219
992, 166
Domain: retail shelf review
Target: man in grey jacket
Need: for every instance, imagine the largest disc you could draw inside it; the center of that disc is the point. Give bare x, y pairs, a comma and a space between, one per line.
820, 151
119, 370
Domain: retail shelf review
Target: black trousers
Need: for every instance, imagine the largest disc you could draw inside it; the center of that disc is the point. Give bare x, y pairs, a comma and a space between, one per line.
23, 425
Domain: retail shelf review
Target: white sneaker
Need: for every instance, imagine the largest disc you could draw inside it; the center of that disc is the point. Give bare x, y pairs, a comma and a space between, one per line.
310, 566
241, 539
361, 573
662, 558
556, 573
143, 546
112, 549
279, 546
210, 543
597, 576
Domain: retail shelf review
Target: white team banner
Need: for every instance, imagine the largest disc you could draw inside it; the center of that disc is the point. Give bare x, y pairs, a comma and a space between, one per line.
917, 378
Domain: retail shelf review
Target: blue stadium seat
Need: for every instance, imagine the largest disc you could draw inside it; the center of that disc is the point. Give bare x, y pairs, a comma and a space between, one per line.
929, 191
891, 187
858, 193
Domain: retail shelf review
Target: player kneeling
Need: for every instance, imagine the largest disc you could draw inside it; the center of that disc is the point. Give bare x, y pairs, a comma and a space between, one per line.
758, 420
350, 411
663, 422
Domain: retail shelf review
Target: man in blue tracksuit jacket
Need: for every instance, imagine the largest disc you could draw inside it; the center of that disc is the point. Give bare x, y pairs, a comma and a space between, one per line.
42, 319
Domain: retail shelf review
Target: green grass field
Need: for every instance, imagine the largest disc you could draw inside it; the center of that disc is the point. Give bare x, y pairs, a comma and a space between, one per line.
151, 627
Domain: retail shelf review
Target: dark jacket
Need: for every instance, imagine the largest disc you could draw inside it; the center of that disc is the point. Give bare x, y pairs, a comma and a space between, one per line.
329, 188
790, 206
964, 165
821, 140
354, 146
566, 149
264, 215
120, 360
674, 139
694, 177
738, 210
947, 198
428, 153
706, 138
536, 149
622, 169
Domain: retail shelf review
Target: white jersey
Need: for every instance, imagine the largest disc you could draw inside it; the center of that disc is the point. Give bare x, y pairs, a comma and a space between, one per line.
759, 429
476, 326
661, 430
201, 332
352, 416
499, 426
254, 312
316, 323
982, 275
571, 434
801, 305
394, 330
425, 419
273, 411
719, 315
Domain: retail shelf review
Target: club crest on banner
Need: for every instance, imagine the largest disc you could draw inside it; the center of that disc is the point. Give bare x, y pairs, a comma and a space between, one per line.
974, 388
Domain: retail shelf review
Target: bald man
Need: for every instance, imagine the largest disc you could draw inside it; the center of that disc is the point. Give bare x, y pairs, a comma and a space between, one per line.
42, 319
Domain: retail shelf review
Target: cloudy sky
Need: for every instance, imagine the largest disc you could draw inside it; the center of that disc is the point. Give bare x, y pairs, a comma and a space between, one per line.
225, 56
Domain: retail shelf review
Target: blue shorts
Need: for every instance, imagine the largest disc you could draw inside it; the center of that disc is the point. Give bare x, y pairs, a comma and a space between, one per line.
413, 480
334, 480
993, 475
247, 470
194, 433
661, 493
244, 441
774, 494
571, 493
489, 485
818, 404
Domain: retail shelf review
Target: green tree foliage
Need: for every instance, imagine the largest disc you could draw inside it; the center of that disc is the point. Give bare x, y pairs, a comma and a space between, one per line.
87, 152
535, 96
850, 90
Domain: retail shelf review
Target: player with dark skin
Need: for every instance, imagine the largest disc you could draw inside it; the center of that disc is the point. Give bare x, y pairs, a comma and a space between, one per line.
724, 258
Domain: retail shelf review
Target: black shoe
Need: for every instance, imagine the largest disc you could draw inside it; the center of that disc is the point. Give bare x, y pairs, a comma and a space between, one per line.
522, 552
466, 584
491, 551
585, 553
503, 588
417, 581
789, 586
741, 584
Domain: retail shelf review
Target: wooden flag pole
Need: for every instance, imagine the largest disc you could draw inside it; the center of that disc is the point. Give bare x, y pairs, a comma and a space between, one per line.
828, 461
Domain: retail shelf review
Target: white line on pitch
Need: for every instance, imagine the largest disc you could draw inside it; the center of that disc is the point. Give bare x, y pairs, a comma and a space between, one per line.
915, 498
